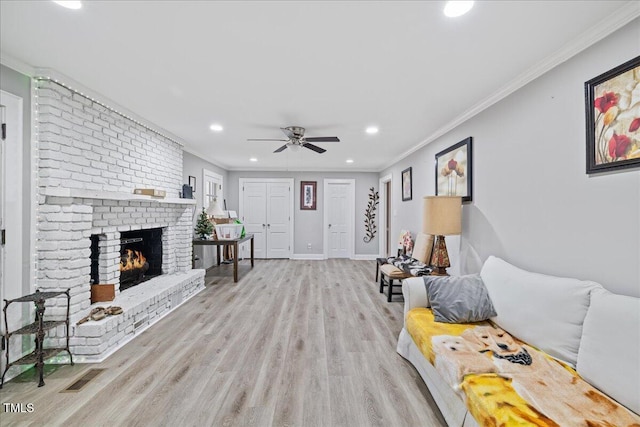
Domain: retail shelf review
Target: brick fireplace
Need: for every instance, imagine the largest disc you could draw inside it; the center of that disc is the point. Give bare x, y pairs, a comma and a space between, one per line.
90, 159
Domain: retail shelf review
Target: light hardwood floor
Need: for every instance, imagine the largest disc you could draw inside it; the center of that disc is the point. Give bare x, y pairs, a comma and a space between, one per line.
293, 343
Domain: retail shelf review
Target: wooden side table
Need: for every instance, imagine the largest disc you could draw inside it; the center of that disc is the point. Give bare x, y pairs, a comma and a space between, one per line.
226, 242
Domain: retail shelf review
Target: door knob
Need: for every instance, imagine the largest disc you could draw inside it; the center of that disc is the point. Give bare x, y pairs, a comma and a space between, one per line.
263, 225
329, 225
269, 225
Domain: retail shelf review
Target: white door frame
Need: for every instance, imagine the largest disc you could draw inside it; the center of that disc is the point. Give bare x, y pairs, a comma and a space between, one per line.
242, 181
208, 175
382, 240
12, 280
351, 203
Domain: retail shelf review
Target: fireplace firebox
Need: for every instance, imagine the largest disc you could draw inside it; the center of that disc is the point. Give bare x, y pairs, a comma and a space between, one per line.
140, 256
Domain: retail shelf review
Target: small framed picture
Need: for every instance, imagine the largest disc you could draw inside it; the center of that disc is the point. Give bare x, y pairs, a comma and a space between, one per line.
453, 171
192, 183
407, 189
308, 195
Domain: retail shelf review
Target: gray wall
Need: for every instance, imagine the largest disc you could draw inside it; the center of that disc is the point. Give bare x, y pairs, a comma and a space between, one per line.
308, 225
20, 85
533, 204
193, 165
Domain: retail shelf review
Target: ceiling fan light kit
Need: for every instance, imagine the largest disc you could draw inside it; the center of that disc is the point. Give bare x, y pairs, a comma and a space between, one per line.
296, 139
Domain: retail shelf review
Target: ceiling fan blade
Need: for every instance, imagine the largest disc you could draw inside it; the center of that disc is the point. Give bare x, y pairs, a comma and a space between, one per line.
267, 139
284, 147
314, 148
322, 139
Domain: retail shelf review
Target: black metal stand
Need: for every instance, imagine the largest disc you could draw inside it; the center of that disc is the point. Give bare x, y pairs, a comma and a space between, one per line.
38, 328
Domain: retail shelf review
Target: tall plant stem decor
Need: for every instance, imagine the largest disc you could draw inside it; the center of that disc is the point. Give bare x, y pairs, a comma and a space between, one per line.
370, 215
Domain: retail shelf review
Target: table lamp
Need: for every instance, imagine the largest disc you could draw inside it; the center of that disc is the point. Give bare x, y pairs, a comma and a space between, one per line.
442, 217
214, 210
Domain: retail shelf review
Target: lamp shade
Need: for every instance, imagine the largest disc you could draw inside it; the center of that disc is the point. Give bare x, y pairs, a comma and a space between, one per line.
214, 209
442, 215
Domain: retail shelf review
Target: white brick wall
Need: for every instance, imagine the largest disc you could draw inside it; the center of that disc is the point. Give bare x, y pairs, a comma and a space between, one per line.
83, 145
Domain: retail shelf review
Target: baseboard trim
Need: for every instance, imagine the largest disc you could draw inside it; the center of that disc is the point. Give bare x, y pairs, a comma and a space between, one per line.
314, 257
320, 257
365, 257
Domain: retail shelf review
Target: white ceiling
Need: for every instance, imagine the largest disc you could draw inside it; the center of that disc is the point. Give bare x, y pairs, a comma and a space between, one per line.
332, 67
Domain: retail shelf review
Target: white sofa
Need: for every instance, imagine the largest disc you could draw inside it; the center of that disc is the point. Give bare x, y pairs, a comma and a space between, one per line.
578, 322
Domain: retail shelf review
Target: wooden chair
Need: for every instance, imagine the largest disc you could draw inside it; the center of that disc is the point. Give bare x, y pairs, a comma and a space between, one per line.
389, 272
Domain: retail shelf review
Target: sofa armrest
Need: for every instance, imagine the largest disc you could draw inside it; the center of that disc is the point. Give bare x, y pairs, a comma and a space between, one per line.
414, 293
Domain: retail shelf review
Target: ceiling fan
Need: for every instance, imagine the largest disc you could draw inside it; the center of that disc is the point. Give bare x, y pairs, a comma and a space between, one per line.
296, 138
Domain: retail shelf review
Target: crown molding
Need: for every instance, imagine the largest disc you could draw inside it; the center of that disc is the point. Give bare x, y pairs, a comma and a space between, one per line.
206, 158
615, 21
301, 169
16, 64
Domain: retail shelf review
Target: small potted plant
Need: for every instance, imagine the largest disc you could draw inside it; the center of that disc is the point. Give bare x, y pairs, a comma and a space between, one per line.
204, 228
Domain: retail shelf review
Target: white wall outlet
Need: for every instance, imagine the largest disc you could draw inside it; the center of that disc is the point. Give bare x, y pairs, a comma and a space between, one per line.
308, 245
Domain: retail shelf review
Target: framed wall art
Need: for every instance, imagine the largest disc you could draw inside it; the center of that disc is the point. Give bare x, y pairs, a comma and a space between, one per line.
192, 183
453, 171
612, 103
407, 185
308, 195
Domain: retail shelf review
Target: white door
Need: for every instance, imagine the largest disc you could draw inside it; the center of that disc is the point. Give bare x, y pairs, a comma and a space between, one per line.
278, 219
254, 215
11, 217
266, 211
339, 218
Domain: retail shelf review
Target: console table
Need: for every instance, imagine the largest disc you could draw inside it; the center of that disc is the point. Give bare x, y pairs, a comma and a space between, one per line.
229, 242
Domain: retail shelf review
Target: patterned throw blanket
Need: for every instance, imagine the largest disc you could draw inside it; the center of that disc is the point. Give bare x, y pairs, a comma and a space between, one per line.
506, 382
410, 265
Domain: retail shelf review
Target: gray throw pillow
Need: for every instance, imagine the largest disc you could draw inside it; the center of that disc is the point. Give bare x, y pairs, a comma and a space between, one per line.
458, 299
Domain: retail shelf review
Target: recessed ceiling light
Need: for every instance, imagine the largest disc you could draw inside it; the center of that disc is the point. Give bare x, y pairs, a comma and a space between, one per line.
253, 159
216, 127
69, 4
455, 8
371, 130
349, 160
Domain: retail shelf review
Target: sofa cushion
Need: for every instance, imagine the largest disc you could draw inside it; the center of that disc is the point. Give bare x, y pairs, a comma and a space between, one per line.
545, 311
610, 345
458, 299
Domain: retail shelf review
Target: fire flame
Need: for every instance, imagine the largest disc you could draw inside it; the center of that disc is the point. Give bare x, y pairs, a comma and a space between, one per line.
132, 260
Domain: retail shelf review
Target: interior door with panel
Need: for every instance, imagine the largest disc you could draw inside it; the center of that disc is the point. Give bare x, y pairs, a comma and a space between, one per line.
266, 209
278, 219
254, 215
338, 220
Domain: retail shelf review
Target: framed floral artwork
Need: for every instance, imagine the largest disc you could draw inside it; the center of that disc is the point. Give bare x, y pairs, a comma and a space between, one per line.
308, 195
407, 185
613, 118
453, 171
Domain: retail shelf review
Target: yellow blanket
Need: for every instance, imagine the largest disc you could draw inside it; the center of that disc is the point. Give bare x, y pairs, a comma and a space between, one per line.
508, 383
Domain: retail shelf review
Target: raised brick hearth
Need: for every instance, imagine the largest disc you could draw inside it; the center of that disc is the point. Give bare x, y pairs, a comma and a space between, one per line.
90, 159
